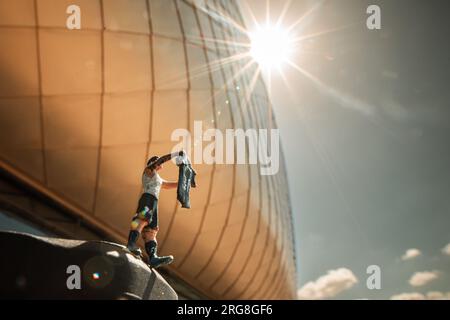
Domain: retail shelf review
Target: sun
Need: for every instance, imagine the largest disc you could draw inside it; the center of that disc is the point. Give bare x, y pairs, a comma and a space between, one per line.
270, 46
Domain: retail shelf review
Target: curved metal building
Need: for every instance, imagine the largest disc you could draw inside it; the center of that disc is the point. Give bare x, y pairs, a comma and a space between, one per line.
82, 110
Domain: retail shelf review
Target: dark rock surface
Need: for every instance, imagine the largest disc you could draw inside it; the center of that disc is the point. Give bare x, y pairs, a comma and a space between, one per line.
34, 267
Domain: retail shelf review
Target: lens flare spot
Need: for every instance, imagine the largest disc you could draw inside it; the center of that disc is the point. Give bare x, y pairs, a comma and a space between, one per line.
134, 224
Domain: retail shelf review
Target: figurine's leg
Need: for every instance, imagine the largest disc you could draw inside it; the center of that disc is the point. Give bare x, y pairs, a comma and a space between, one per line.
149, 234
151, 245
137, 225
139, 221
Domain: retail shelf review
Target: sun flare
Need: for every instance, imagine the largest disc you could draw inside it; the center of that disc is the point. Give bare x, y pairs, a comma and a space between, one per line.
271, 46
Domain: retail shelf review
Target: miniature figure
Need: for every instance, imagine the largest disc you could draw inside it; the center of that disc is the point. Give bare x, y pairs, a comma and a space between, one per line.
145, 220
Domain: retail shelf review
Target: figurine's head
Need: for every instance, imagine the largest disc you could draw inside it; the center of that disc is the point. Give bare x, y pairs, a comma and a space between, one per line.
153, 159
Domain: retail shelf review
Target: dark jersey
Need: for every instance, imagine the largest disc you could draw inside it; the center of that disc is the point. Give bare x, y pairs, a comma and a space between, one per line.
186, 180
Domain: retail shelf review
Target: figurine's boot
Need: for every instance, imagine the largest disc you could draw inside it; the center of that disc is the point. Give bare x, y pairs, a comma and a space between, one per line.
153, 259
132, 240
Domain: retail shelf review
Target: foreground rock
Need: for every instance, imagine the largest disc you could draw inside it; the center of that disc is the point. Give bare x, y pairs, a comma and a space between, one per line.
34, 267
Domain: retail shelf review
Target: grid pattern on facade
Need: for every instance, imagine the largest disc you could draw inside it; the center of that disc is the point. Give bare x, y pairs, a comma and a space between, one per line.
82, 110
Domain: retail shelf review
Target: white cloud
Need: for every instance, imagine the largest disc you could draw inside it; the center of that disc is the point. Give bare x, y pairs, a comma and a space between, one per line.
432, 295
329, 285
408, 296
436, 295
419, 279
446, 250
411, 254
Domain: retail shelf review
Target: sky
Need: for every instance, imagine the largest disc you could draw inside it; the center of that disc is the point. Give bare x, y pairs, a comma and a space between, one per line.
365, 132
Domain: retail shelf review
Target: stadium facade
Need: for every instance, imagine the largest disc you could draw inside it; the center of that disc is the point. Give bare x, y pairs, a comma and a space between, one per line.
81, 111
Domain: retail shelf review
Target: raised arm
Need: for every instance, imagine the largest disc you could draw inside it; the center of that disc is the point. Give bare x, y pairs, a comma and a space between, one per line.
163, 159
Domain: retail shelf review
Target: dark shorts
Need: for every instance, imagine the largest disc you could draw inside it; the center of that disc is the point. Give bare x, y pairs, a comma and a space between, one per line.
148, 210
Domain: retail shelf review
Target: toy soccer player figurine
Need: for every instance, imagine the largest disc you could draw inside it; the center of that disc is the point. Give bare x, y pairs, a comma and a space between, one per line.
145, 220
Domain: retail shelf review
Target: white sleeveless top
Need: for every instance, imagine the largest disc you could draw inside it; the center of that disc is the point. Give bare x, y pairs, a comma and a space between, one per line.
152, 184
